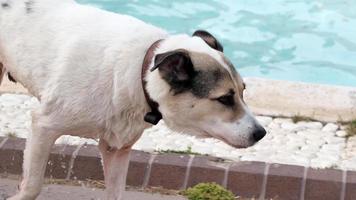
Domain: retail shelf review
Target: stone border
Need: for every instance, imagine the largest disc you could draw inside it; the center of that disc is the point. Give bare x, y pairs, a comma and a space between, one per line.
285, 98
177, 172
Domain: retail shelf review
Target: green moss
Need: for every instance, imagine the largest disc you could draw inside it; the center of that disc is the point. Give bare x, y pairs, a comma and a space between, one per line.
208, 191
11, 135
188, 151
298, 118
351, 128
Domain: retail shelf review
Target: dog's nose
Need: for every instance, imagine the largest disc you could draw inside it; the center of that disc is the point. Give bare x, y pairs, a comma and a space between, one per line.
259, 133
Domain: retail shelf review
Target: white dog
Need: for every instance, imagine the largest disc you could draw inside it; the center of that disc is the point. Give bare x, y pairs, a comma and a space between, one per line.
103, 75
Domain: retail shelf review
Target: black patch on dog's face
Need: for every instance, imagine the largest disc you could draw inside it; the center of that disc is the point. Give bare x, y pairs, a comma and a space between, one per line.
200, 84
204, 82
29, 6
177, 69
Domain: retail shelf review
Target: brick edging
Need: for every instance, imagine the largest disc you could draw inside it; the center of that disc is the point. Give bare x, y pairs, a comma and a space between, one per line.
170, 171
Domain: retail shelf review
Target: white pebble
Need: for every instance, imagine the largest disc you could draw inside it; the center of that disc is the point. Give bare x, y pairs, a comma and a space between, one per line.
310, 148
265, 121
330, 127
334, 140
282, 120
314, 125
341, 133
321, 163
312, 135
289, 126
333, 147
274, 125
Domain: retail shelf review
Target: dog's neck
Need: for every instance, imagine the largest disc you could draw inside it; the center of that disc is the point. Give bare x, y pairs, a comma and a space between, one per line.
154, 116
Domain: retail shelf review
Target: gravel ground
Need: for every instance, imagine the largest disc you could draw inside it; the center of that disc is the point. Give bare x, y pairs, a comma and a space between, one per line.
314, 144
8, 187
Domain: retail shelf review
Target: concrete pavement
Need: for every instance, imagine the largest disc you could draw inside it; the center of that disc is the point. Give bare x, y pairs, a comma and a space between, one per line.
65, 192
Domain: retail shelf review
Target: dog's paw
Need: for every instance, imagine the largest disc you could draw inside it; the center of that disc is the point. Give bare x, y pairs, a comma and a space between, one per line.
16, 197
23, 196
3, 197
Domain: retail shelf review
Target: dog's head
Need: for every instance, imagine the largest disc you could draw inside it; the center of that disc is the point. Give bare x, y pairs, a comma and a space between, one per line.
199, 92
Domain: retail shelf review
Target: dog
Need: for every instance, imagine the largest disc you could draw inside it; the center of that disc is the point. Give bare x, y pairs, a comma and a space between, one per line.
108, 76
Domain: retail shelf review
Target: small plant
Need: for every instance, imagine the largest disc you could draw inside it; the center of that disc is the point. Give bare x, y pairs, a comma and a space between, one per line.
188, 151
208, 191
11, 135
299, 118
351, 128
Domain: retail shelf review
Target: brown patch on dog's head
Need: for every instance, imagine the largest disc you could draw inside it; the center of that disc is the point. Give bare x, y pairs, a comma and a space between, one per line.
209, 39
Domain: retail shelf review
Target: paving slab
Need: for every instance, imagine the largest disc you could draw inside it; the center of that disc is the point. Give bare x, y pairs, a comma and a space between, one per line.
59, 192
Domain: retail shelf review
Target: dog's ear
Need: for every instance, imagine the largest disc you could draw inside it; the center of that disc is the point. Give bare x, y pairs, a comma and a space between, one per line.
209, 39
175, 67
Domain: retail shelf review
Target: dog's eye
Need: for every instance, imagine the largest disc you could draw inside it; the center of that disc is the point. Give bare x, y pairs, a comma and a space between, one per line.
227, 100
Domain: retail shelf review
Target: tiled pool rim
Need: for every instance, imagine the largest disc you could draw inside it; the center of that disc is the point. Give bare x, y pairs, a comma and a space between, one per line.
177, 172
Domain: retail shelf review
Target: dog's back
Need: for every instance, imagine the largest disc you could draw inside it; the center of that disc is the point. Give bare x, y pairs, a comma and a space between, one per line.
50, 42
17, 21
81, 61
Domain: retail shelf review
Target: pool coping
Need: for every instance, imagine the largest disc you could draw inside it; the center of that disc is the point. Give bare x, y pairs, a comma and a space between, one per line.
326, 103
177, 172
278, 98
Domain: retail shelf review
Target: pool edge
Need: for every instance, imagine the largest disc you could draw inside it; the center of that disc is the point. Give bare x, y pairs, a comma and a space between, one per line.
285, 98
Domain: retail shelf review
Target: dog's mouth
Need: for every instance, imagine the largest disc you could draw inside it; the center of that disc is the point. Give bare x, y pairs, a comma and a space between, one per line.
226, 141
202, 133
238, 146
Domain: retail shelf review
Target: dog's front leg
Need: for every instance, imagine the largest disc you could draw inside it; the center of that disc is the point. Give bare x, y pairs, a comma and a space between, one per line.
36, 155
116, 163
2, 72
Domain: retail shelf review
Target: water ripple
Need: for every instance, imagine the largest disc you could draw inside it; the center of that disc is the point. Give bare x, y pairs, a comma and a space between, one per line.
300, 40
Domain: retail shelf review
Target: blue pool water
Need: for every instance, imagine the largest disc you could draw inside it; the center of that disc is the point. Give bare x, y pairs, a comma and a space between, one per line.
297, 40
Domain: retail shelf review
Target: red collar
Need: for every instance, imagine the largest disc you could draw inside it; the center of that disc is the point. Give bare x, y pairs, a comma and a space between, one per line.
154, 116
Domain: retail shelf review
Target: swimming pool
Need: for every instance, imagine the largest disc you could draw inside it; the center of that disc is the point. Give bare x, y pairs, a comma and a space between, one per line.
297, 40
